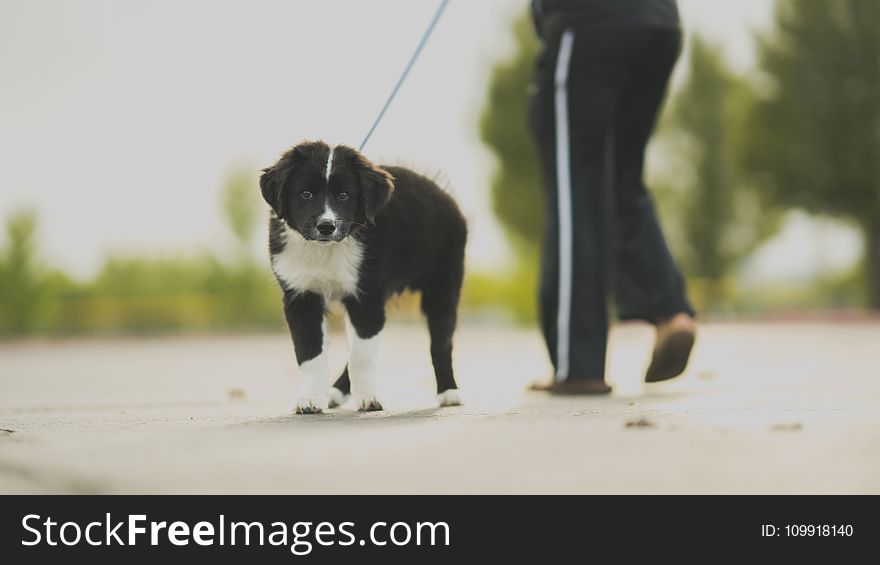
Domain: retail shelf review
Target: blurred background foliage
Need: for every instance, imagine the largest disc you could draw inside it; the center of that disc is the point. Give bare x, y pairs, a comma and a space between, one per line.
138, 294
734, 153
814, 129
715, 216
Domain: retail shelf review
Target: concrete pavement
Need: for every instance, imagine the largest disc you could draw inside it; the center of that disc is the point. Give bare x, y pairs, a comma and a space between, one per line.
764, 408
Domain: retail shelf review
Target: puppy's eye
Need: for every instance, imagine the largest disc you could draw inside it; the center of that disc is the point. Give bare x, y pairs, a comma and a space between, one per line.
342, 196
306, 195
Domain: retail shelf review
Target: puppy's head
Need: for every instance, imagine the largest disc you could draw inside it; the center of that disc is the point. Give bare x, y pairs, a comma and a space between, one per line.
325, 193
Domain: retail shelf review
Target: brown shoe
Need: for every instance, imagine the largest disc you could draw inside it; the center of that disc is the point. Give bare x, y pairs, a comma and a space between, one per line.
675, 340
573, 387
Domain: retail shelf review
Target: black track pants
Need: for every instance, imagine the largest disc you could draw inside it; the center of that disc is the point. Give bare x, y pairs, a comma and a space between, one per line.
597, 92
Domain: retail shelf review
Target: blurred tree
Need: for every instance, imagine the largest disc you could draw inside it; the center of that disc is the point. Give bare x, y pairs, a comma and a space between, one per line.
22, 289
241, 206
517, 196
815, 141
718, 217
516, 180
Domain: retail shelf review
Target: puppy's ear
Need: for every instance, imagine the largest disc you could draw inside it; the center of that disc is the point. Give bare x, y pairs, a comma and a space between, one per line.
270, 185
274, 178
377, 186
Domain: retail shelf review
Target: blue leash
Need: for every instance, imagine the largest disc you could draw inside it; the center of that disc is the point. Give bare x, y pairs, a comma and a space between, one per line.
409, 66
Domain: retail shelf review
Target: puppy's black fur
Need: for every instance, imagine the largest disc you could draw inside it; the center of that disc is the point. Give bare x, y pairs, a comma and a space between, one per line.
404, 231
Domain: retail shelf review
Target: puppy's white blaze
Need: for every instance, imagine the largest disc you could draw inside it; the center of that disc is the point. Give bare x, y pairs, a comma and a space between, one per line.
330, 270
329, 168
363, 370
449, 397
329, 215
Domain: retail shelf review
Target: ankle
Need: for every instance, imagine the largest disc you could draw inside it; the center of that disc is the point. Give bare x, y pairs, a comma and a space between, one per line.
680, 321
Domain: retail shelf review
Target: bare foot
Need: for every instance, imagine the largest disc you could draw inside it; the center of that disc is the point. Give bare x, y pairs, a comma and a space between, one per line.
573, 387
677, 323
672, 349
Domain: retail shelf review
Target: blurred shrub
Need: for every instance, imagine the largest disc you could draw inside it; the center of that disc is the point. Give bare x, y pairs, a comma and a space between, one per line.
137, 294
502, 297
199, 293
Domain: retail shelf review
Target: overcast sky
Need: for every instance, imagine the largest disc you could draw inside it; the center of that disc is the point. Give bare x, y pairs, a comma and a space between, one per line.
119, 119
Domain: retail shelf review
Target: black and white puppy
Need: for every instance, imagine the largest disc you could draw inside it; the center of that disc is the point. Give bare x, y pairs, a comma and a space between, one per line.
342, 228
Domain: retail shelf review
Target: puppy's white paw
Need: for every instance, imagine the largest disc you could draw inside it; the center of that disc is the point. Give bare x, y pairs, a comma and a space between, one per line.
449, 397
337, 398
369, 403
306, 405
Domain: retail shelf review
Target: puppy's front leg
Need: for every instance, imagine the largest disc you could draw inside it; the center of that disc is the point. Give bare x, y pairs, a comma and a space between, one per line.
366, 318
305, 318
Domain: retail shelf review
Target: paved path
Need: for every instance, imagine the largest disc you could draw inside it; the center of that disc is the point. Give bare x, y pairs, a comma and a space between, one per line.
764, 408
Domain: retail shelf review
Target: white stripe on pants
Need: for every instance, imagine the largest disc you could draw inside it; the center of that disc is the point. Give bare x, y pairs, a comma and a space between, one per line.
563, 194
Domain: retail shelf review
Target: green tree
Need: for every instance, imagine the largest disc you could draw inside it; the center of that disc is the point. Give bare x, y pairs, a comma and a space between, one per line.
715, 216
22, 285
241, 206
516, 180
718, 217
815, 140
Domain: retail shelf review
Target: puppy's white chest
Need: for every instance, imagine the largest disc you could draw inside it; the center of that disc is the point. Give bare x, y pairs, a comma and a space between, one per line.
331, 270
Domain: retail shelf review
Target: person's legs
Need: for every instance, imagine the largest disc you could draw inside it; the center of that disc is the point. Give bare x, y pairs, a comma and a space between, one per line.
647, 283
572, 116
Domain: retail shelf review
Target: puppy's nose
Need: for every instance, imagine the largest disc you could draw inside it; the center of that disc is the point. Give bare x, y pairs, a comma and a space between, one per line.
326, 228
